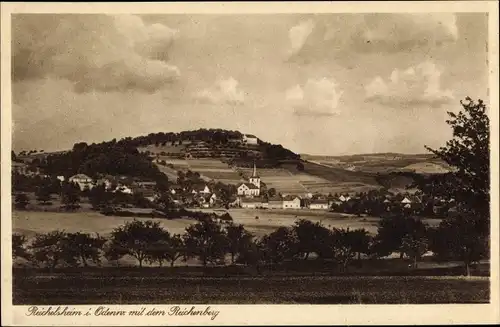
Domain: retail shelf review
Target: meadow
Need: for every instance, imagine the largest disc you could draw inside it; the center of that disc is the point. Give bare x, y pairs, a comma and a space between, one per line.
31, 222
209, 169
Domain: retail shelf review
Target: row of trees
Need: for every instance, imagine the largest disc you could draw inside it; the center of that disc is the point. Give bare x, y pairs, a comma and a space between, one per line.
212, 242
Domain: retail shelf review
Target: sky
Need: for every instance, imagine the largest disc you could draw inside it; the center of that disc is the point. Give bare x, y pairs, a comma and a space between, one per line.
325, 84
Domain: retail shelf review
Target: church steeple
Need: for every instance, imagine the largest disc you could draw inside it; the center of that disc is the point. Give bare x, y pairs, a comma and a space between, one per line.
254, 174
255, 179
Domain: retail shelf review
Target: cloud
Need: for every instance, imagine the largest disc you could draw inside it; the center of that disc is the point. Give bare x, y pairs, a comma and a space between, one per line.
418, 85
324, 35
224, 91
318, 97
299, 34
95, 52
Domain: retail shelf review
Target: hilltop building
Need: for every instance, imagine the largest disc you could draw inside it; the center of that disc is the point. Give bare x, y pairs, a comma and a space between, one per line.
252, 188
250, 139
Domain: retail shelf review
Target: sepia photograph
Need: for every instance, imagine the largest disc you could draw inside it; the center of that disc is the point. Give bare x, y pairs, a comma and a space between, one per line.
201, 159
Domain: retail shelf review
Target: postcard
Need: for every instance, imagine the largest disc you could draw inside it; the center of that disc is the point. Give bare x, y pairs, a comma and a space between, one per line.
274, 163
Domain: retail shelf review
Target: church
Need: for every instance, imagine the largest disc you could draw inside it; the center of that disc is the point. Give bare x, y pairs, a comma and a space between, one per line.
252, 188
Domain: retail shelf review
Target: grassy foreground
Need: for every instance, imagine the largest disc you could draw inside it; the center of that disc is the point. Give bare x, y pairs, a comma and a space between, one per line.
148, 287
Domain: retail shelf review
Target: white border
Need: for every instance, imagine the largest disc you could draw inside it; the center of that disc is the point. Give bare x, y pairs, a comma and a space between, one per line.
259, 314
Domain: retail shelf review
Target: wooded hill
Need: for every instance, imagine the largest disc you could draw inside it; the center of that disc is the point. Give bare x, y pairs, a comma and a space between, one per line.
129, 156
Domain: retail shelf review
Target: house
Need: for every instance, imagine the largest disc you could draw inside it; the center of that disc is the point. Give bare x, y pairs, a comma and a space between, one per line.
344, 198
251, 203
124, 189
83, 181
212, 199
248, 189
291, 202
319, 204
145, 184
207, 200
201, 189
252, 188
410, 201
406, 203
275, 203
250, 139
61, 178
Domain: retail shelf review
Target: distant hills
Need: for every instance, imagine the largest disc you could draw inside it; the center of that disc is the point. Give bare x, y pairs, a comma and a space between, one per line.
383, 162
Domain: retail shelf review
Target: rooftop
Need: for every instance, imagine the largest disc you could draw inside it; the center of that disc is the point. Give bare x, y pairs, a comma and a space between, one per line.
80, 176
249, 185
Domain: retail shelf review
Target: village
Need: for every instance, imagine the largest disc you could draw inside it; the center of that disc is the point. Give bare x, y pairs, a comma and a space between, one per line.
191, 191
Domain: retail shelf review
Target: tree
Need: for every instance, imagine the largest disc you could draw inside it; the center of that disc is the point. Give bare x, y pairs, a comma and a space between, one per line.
19, 247
467, 234
158, 251
271, 192
390, 234
251, 253
344, 244
238, 238
136, 238
207, 241
162, 183
279, 245
99, 198
415, 243
165, 203
50, 249
21, 201
308, 236
459, 238
84, 247
112, 253
13, 156
43, 194
361, 241
175, 250
468, 153
389, 238
70, 196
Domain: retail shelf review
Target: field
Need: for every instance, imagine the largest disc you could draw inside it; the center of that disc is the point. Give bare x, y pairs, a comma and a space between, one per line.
32, 222
152, 287
209, 169
324, 179
383, 162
